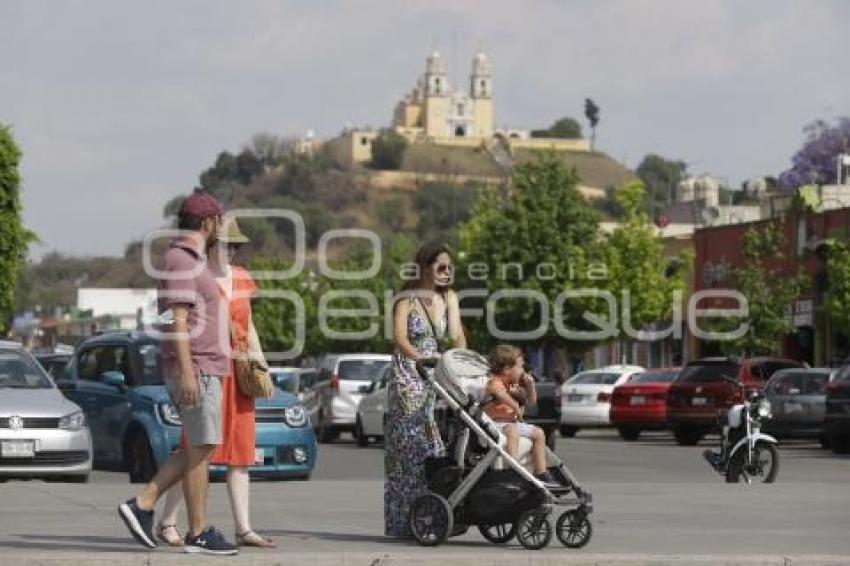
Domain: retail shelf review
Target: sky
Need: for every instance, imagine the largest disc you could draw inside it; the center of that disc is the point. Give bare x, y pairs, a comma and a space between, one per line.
118, 106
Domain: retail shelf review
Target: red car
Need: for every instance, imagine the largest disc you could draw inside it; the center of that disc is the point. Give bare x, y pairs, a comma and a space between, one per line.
641, 403
701, 392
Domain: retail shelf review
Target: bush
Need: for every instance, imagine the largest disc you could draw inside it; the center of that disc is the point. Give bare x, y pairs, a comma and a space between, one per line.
388, 150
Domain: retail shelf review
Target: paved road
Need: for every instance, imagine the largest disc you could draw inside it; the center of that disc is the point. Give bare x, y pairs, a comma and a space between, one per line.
651, 498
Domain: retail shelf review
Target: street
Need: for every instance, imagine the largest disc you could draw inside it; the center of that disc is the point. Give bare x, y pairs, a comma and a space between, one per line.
652, 498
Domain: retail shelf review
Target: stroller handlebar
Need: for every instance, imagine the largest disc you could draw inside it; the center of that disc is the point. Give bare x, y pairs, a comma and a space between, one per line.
424, 364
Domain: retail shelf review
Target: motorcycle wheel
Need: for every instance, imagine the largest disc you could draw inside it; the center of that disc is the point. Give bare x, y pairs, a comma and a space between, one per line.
764, 469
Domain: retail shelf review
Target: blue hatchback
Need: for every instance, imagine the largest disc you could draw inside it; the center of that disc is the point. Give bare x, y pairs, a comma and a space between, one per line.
116, 378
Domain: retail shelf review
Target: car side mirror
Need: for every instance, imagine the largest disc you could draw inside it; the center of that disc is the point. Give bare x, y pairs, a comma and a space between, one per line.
114, 378
366, 388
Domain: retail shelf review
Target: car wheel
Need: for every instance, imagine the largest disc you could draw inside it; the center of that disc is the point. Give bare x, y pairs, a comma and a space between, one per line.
141, 463
569, 431
628, 433
359, 435
824, 441
840, 444
687, 436
326, 433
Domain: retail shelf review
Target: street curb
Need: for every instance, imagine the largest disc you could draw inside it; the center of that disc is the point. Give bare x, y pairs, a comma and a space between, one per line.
512, 558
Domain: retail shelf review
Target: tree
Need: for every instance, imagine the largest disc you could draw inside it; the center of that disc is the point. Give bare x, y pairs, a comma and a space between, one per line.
537, 236
769, 292
660, 177
838, 278
388, 150
591, 112
566, 127
441, 208
638, 266
816, 161
14, 238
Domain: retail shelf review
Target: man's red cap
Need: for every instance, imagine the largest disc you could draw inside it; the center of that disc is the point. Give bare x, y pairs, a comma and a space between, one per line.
201, 204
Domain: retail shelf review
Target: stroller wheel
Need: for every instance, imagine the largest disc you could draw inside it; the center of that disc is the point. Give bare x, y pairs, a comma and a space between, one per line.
574, 529
498, 534
533, 529
431, 520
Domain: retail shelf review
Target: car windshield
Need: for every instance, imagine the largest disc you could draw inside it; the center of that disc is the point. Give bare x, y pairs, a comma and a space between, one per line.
595, 379
362, 370
654, 377
20, 371
286, 380
151, 356
709, 371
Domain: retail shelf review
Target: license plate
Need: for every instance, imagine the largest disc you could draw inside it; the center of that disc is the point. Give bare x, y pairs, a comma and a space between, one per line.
17, 449
259, 456
575, 398
698, 401
793, 407
638, 400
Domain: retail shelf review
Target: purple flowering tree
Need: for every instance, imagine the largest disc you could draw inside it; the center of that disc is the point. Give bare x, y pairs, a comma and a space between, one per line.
816, 161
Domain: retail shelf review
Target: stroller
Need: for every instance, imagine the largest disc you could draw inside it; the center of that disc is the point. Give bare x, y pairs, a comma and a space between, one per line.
478, 483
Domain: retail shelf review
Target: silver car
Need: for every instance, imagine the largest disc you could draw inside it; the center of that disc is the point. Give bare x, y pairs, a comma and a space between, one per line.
798, 402
42, 434
343, 380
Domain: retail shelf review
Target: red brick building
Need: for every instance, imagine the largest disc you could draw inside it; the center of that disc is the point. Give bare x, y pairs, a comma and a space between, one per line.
718, 249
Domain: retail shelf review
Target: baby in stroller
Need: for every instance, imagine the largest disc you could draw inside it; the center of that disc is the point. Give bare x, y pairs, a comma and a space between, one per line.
508, 390
480, 483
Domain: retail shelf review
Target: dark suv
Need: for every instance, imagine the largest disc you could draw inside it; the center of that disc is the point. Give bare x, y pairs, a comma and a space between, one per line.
700, 393
837, 420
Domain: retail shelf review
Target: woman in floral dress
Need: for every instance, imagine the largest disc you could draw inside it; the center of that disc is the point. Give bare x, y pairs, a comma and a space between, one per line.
426, 313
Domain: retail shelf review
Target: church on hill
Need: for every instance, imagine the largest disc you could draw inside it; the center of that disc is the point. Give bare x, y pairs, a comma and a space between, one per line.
436, 109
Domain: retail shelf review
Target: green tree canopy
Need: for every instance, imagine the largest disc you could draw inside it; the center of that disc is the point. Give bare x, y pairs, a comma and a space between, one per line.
637, 265
566, 127
388, 150
660, 176
535, 236
14, 238
769, 291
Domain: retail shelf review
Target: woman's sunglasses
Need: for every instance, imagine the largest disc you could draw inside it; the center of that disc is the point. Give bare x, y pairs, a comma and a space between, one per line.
443, 268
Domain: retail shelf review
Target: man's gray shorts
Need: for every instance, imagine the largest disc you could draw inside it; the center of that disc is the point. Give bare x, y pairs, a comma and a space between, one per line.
202, 421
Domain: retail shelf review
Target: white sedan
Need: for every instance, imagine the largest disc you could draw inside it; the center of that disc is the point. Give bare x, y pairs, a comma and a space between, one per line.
586, 397
372, 410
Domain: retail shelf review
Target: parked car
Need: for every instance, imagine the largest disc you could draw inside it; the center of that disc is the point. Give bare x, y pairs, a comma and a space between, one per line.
117, 380
293, 380
547, 412
54, 364
372, 411
286, 444
342, 382
700, 392
42, 434
586, 397
641, 403
837, 419
798, 403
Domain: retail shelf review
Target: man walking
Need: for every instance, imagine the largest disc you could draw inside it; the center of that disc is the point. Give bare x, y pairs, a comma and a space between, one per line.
194, 361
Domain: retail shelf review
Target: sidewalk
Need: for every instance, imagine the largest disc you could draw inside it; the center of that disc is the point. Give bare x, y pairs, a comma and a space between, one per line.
341, 522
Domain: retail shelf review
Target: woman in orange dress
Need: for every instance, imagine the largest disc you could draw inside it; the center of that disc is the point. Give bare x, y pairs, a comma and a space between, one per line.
237, 448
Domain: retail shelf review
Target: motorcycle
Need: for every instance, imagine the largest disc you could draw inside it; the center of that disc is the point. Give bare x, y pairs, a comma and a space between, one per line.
745, 452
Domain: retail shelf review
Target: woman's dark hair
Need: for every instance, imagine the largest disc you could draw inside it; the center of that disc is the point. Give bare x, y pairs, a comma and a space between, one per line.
189, 222
424, 259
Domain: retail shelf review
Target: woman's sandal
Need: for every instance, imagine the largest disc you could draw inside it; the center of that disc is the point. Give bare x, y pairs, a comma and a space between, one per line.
169, 535
251, 538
